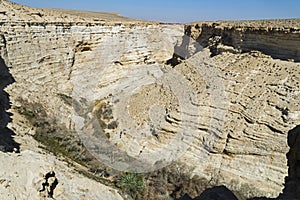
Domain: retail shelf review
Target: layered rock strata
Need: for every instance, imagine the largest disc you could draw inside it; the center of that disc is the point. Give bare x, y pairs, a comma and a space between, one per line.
238, 106
277, 38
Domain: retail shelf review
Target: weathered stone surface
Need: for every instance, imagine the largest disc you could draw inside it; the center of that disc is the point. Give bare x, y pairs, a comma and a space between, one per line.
35, 175
237, 107
256, 124
277, 38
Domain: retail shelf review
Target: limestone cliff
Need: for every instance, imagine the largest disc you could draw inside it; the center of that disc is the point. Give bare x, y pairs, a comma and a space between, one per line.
214, 100
277, 38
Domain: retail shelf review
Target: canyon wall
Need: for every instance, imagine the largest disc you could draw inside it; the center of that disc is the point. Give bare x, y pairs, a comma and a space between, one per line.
277, 38
230, 42
236, 137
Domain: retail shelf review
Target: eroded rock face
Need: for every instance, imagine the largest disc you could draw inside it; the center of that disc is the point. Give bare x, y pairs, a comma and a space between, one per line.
263, 95
255, 135
33, 175
277, 38
292, 189
87, 74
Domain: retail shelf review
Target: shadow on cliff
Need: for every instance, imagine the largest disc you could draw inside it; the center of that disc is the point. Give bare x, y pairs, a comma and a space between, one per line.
292, 182
291, 190
211, 35
7, 143
184, 50
215, 193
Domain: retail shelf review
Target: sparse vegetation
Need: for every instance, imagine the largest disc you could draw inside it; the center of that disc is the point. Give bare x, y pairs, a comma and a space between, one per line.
131, 183
56, 138
104, 114
168, 183
172, 182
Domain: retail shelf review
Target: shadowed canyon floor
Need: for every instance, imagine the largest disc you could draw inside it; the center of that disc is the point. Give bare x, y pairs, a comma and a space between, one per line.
207, 110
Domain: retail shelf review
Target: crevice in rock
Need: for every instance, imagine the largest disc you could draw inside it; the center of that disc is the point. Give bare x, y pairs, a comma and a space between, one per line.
82, 47
7, 143
118, 63
292, 181
48, 185
225, 151
273, 129
175, 60
71, 66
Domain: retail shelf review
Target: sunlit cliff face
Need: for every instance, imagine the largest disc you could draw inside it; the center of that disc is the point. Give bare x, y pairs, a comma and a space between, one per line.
214, 101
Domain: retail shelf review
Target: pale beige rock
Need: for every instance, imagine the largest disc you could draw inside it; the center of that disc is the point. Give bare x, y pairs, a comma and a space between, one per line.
23, 175
239, 141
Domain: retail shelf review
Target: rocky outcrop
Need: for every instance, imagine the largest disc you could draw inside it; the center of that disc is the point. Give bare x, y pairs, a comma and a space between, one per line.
259, 75
34, 175
6, 142
225, 118
292, 182
278, 38
261, 134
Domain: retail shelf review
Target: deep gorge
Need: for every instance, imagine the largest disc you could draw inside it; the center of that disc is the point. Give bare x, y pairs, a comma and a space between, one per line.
58, 67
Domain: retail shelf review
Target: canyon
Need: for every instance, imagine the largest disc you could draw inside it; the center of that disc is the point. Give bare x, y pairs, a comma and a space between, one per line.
88, 97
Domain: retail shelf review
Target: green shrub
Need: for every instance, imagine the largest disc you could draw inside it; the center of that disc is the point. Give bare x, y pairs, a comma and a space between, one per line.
131, 183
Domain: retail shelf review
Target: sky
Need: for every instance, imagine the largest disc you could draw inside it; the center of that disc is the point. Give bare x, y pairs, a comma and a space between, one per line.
181, 10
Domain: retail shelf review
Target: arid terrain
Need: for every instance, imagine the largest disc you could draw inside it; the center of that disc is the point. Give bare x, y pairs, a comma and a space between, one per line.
100, 106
